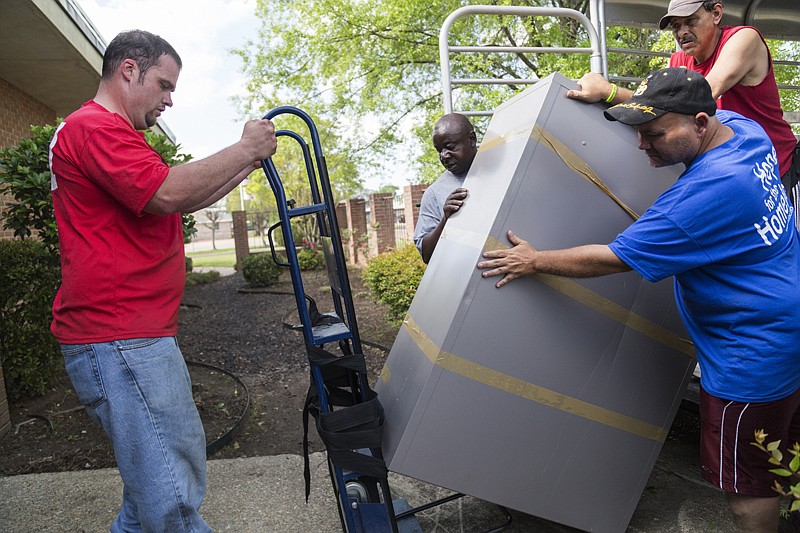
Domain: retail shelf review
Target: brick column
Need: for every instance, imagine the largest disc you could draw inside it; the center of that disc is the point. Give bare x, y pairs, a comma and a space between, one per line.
381, 230
357, 224
341, 220
240, 242
412, 196
341, 216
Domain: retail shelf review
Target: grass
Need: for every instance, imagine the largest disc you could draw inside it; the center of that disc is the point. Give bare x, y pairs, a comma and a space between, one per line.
223, 257
216, 258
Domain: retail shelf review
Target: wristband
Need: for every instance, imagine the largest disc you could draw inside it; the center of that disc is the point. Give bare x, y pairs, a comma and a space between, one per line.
613, 93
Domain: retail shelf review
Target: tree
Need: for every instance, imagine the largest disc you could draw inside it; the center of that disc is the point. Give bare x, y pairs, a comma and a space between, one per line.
349, 62
213, 216
787, 74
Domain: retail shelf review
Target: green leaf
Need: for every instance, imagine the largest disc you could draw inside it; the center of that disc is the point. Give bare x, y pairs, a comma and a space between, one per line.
794, 464
26, 177
781, 472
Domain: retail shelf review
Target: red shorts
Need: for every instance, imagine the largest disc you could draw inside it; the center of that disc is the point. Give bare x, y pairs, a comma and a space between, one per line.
727, 459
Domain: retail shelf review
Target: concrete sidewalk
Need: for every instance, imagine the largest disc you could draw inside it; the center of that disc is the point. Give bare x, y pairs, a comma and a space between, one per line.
265, 494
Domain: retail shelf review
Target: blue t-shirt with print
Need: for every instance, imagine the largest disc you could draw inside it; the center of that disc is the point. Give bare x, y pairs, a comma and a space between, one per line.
725, 230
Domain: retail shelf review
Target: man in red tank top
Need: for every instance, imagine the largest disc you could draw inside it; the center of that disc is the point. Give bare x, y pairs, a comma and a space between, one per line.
736, 63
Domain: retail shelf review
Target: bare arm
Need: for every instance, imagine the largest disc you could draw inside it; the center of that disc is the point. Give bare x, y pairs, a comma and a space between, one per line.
743, 60
595, 88
225, 189
523, 260
429, 241
192, 184
451, 205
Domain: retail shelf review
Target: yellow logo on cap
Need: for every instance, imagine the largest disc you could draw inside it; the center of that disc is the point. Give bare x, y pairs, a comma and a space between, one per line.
641, 88
643, 108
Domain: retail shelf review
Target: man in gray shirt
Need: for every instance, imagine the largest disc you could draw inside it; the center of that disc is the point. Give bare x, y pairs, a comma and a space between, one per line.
455, 141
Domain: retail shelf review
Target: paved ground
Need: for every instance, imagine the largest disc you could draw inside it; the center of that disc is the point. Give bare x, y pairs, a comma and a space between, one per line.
265, 494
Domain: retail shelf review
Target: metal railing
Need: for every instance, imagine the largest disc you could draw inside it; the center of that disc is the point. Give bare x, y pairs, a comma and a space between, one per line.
399, 210
596, 51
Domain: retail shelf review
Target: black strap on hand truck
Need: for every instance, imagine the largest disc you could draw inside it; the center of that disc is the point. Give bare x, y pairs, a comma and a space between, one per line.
355, 426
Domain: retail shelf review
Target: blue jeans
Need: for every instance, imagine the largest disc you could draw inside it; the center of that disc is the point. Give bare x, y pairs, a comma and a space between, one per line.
140, 392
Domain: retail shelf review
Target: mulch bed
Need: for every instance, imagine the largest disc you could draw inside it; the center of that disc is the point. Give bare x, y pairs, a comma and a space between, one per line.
246, 356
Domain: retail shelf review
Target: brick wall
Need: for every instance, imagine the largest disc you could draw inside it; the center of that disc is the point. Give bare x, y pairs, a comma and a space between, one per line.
357, 224
18, 112
412, 196
381, 230
341, 221
240, 242
341, 216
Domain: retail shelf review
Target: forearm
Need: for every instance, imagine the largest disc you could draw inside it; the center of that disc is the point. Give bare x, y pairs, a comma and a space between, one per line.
192, 184
523, 260
222, 191
580, 262
430, 240
595, 88
623, 95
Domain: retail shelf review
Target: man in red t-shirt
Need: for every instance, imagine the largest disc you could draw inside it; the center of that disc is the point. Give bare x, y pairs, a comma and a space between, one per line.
736, 63
118, 207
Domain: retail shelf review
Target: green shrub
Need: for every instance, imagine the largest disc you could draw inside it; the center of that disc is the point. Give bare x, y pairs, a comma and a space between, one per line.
393, 277
25, 175
29, 354
310, 260
310, 257
201, 278
259, 270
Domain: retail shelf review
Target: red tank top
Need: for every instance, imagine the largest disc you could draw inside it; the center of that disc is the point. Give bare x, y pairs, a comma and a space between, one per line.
758, 102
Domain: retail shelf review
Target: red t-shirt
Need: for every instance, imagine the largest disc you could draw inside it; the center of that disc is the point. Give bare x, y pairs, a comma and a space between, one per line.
123, 270
757, 102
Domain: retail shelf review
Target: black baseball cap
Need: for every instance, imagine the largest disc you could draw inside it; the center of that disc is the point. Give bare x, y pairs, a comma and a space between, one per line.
669, 90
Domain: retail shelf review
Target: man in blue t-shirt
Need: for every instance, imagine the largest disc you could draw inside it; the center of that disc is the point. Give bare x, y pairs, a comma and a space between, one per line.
725, 231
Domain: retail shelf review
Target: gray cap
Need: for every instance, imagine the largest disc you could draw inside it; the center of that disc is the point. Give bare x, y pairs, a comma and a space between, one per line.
679, 8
